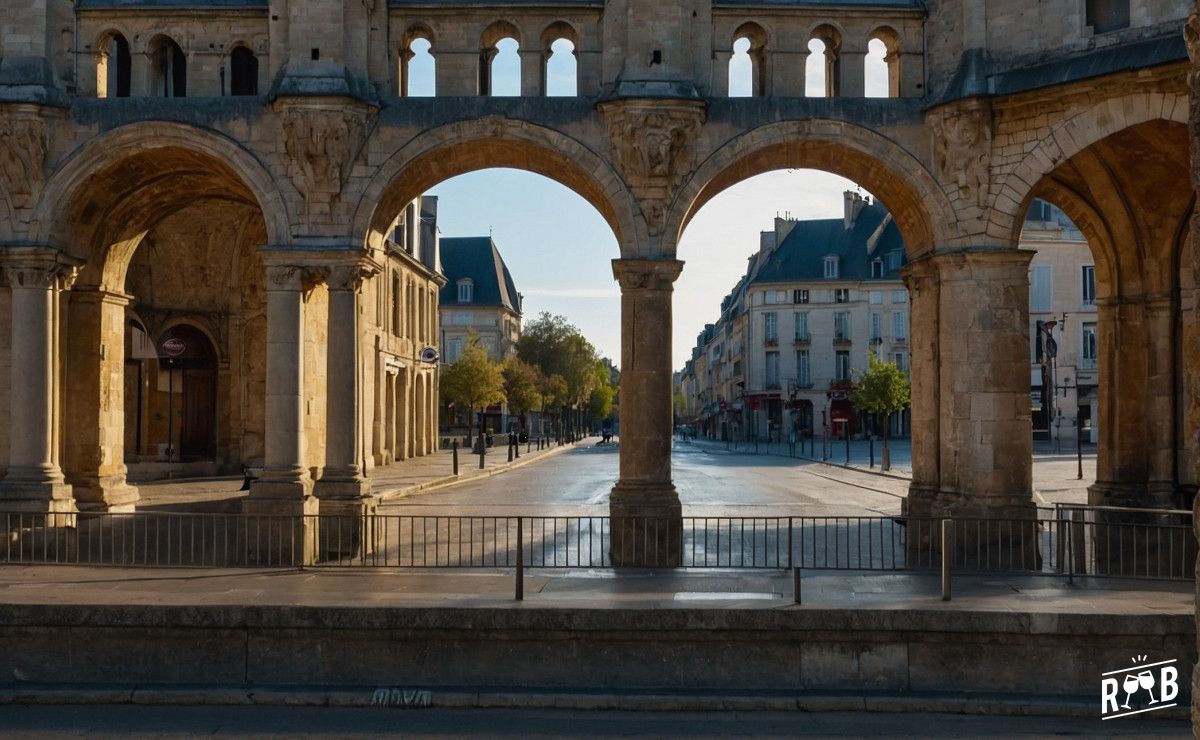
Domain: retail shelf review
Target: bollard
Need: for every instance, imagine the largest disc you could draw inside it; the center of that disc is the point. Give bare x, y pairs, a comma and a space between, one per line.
520, 586
482, 451
510, 449
947, 533
796, 584
528, 443
517, 447
454, 455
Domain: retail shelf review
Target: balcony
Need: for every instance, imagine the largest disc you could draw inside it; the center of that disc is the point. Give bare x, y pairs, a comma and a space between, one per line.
900, 341
771, 342
841, 340
802, 340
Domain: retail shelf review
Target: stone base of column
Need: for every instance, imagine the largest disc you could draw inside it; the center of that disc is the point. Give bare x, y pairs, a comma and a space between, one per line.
39, 491
1141, 544
349, 527
106, 495
647, 526
992, 533
280, 522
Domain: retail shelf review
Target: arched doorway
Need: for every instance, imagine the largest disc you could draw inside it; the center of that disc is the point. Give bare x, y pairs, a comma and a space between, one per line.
189, 361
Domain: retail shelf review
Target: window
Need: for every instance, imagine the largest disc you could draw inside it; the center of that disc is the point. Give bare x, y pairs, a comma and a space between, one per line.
395, 303
771, 327
113, 68
1089, 346
841, 366
800, 296
769, 297
562, 69
876, 297
899, 296
466, 291
841, 326
803, 368
877, 268
899, 325
772, 370
831, 268
1089, 285
1040, 289
500, 60
462, 318
453, 349
841, 295
418, 68
1107, 15
169, 69
876, 327
243, 72
894, 259
801, 326
901, 361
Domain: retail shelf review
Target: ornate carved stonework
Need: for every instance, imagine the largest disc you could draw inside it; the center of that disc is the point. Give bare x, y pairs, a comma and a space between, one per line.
962, 148
22, 158
350, 277
321, 143
646, 274
653, 144
40, 276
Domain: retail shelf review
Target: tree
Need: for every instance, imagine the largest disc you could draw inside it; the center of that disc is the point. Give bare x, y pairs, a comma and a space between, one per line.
474, 381
882, 389
522, 386
600, 404
557, 348
554, 392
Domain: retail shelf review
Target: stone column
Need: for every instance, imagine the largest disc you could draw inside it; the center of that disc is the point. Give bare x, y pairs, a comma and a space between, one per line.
645, 509
851, 72
921, 279
283, 495
95, 384
1192, 368
34, 481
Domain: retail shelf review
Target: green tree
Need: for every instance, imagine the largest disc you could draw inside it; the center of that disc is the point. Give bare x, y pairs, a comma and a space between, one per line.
474, 381
882, 389
522, 386
554, 393
600, 404
557, 348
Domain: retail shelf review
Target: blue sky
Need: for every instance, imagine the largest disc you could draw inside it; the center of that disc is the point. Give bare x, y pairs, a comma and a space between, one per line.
559, 249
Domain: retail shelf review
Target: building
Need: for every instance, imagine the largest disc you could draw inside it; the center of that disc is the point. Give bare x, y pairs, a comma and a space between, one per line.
1064, 384
818, 297
478, 300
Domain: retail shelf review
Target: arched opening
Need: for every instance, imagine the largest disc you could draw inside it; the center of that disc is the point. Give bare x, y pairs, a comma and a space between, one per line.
748, 64
562, 76
418, 68
500, 60
243, 72
168, 68
189, 395
882, 65
113, 67
822, 68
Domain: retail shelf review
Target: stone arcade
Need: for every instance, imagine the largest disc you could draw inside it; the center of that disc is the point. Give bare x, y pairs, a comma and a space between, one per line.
138, 197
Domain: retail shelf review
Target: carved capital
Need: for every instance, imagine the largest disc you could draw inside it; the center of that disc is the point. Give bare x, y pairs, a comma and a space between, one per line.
920, 277
634, 275
22, 157
299, 278
653, 146
42, 268
322, 144
350, 277
962, 148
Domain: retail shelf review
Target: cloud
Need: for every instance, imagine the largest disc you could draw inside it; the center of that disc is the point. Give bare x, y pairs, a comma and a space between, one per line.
596, 293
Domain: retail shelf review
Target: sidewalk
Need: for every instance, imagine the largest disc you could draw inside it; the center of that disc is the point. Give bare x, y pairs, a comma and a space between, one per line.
389, 482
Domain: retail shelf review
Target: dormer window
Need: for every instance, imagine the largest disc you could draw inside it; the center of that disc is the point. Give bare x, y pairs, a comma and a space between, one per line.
466, 291
876, 268
831, 268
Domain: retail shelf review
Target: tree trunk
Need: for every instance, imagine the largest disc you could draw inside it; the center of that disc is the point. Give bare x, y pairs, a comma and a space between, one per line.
886, 462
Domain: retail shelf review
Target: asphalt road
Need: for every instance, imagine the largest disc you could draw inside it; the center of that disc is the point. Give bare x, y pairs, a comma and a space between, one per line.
136, 722
709, 482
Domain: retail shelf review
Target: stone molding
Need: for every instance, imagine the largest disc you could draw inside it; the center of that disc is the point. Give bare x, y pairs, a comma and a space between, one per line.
636, 275
321, 144
962, 147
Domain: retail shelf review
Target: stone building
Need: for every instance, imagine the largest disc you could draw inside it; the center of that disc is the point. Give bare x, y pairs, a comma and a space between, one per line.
479, 300
818, 297
265, 148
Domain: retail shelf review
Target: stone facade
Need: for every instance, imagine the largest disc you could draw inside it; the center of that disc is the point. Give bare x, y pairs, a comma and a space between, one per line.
275, 208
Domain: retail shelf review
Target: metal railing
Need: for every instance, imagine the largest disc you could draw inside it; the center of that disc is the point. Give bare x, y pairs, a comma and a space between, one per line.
1063, 541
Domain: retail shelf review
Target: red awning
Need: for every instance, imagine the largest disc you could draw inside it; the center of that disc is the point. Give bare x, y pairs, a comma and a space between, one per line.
841, 410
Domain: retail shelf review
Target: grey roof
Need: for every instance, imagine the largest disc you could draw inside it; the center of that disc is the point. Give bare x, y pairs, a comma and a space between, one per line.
477, 258
800, 257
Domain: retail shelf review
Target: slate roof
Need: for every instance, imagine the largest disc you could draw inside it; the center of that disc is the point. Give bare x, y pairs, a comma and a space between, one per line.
800, 257
477, 258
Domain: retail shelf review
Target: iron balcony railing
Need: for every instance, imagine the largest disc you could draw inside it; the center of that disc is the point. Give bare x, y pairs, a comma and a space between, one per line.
1097, 543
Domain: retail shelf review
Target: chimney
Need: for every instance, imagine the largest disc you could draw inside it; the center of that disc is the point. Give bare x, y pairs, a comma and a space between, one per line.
854, 204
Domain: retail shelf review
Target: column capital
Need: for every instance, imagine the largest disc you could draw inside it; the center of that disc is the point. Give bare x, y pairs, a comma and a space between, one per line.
636, 274
969, 259
37, 266
302, 270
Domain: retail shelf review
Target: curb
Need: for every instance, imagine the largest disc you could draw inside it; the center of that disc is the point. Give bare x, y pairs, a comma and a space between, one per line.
806, 458
392, 494
1010, 705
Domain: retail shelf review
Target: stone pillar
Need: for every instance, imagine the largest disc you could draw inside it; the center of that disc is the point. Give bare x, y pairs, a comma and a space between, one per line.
95, 383
851, 73
34, 481
284, 528
985, 447
533, 72
1192, 36
645, 509
344, 491
921, 279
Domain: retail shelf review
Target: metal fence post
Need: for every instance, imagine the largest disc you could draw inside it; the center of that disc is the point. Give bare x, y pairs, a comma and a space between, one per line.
789, 542
520, 592
947, 534
454, 455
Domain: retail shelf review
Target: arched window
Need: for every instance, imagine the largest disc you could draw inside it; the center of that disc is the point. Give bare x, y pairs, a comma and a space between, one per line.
881, 68
748, 63
821, 73
113, 67
168, 68
562, 78
395, 303
418, 68
243, 72
500, 60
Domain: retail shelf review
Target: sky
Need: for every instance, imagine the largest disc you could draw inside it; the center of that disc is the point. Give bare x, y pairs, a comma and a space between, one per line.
560, 250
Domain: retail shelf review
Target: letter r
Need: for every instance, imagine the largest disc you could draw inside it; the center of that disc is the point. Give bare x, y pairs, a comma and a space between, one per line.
1108, 693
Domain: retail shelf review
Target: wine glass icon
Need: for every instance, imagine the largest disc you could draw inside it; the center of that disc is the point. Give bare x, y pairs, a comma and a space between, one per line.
1146, 681
1130, 685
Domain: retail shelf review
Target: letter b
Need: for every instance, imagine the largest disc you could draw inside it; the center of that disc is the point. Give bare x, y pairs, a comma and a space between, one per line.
1169, 683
